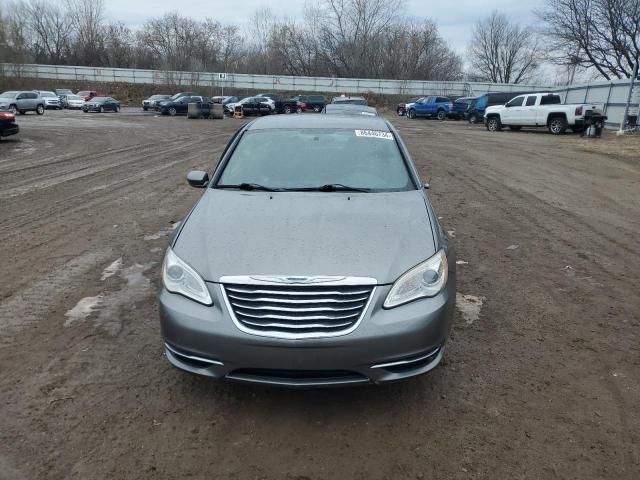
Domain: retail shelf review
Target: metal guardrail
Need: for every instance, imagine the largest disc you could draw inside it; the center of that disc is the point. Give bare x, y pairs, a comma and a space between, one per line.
259, 82
612, 94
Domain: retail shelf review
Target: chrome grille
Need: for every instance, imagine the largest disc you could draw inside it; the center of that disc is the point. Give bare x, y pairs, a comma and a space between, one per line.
298, 310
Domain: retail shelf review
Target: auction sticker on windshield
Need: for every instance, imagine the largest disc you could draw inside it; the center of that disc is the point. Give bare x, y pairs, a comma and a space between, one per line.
374, 134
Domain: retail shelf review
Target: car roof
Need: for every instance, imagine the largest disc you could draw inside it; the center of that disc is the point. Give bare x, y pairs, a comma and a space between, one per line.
349, 108
348, 98
328, 122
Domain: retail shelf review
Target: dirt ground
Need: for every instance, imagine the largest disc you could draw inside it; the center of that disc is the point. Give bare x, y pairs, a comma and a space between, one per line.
542, 373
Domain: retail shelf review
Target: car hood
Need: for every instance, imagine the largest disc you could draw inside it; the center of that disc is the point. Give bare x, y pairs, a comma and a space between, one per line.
377, 235
493, 108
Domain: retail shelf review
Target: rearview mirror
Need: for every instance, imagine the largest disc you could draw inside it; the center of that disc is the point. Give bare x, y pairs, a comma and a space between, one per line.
198, 178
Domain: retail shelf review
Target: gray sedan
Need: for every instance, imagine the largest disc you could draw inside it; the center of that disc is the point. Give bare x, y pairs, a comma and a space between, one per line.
313, 258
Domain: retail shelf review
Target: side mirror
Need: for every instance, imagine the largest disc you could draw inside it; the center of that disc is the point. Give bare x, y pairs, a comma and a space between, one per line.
198, 178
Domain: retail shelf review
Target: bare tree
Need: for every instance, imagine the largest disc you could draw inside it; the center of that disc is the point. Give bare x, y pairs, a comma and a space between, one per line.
350, 31
50, 28
119, 46
504, 51
602, 34
365, 38
87, 17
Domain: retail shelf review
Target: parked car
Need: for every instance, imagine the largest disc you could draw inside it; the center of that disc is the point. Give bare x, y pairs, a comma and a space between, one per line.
229, 100
8, 125
252, 106
51, 100
311, 102
476, 110
283, 105
351, 100
63, 91
180, 105
153, 100
71, 101
431, 106
460, 107
101, 104
401, 109
349, 109
87, 94
22, 102
174, 98
351, 279
540, 110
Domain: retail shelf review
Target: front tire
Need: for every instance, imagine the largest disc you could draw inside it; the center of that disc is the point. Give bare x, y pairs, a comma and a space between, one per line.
317, 109
13, 109
441, 115
116, 109
401, 112
40, 110
494, 124
173, 111
411, 114
557, 126
287, 109
473, 118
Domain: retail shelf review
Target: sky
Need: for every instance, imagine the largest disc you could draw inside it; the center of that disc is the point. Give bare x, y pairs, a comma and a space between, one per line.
455, 18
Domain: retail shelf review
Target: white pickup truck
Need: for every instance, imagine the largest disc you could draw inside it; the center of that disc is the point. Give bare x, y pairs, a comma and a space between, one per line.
539, 110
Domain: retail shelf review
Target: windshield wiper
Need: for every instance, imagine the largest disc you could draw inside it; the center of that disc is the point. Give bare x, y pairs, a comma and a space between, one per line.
330, 187
249, 186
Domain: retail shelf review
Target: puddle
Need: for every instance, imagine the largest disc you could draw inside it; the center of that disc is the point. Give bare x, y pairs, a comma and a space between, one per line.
469, 306
108, 306
112, 269
162, 233
82, 310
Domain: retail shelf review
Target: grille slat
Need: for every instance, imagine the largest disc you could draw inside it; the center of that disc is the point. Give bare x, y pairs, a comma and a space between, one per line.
296, 290
301, 318
290, 308
294, 326
297, 310
284, 299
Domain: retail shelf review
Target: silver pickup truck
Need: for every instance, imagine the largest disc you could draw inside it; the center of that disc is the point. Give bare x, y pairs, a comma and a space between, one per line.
539, 110
22, 102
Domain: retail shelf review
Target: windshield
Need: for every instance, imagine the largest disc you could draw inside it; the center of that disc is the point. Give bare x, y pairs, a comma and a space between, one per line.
8, 95
73, 97
47, 94
293, 159
99, 99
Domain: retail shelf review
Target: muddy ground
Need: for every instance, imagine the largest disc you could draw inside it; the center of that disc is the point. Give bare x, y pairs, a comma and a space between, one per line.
542, 373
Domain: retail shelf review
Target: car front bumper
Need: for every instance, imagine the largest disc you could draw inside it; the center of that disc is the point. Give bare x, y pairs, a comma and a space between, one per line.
388, 345
7, 130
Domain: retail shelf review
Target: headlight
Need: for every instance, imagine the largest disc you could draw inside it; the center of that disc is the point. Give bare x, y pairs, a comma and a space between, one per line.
426, 279
178, 277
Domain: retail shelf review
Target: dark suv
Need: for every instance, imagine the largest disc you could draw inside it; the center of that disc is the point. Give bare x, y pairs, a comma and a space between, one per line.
313, 102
